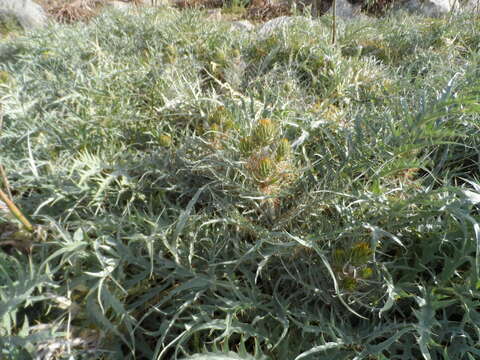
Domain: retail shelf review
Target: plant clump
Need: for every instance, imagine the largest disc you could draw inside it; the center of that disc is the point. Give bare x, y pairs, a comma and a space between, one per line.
216, 194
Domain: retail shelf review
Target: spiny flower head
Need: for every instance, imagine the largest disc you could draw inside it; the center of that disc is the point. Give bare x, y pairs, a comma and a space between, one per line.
361, 253
264, 168
246, 145
283, 149
264, 133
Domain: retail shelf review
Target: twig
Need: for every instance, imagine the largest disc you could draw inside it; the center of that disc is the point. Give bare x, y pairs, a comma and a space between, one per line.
3, 175
334, 23
1, 117
16, 211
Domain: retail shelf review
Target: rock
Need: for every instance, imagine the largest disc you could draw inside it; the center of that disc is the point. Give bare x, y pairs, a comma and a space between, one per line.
278, 23
317, 7
471, 6
155, 3
345, 9
430, 8
121, 6
124, 5
348, 9
242, 25
28, 13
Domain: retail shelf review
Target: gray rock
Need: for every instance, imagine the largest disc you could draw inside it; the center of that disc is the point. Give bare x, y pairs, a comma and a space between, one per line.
471, 6
26, 12
278, 23
430, 8
121, 6
156, 2
345, 10
242, 25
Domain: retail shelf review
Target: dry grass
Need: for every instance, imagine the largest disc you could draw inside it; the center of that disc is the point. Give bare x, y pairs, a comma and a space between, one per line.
265, 11
51, 4
69, 11
79, 10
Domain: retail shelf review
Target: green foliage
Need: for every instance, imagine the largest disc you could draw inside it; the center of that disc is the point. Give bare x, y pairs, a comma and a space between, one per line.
220, 356
9, 25
210, 194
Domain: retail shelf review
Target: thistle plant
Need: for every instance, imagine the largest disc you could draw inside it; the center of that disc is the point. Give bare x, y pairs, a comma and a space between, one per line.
321, 202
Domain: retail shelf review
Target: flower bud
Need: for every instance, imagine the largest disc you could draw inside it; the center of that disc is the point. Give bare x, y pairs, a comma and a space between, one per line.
165, 140
265, 132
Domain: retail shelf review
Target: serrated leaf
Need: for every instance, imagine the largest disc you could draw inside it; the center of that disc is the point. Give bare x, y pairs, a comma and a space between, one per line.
222, 356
